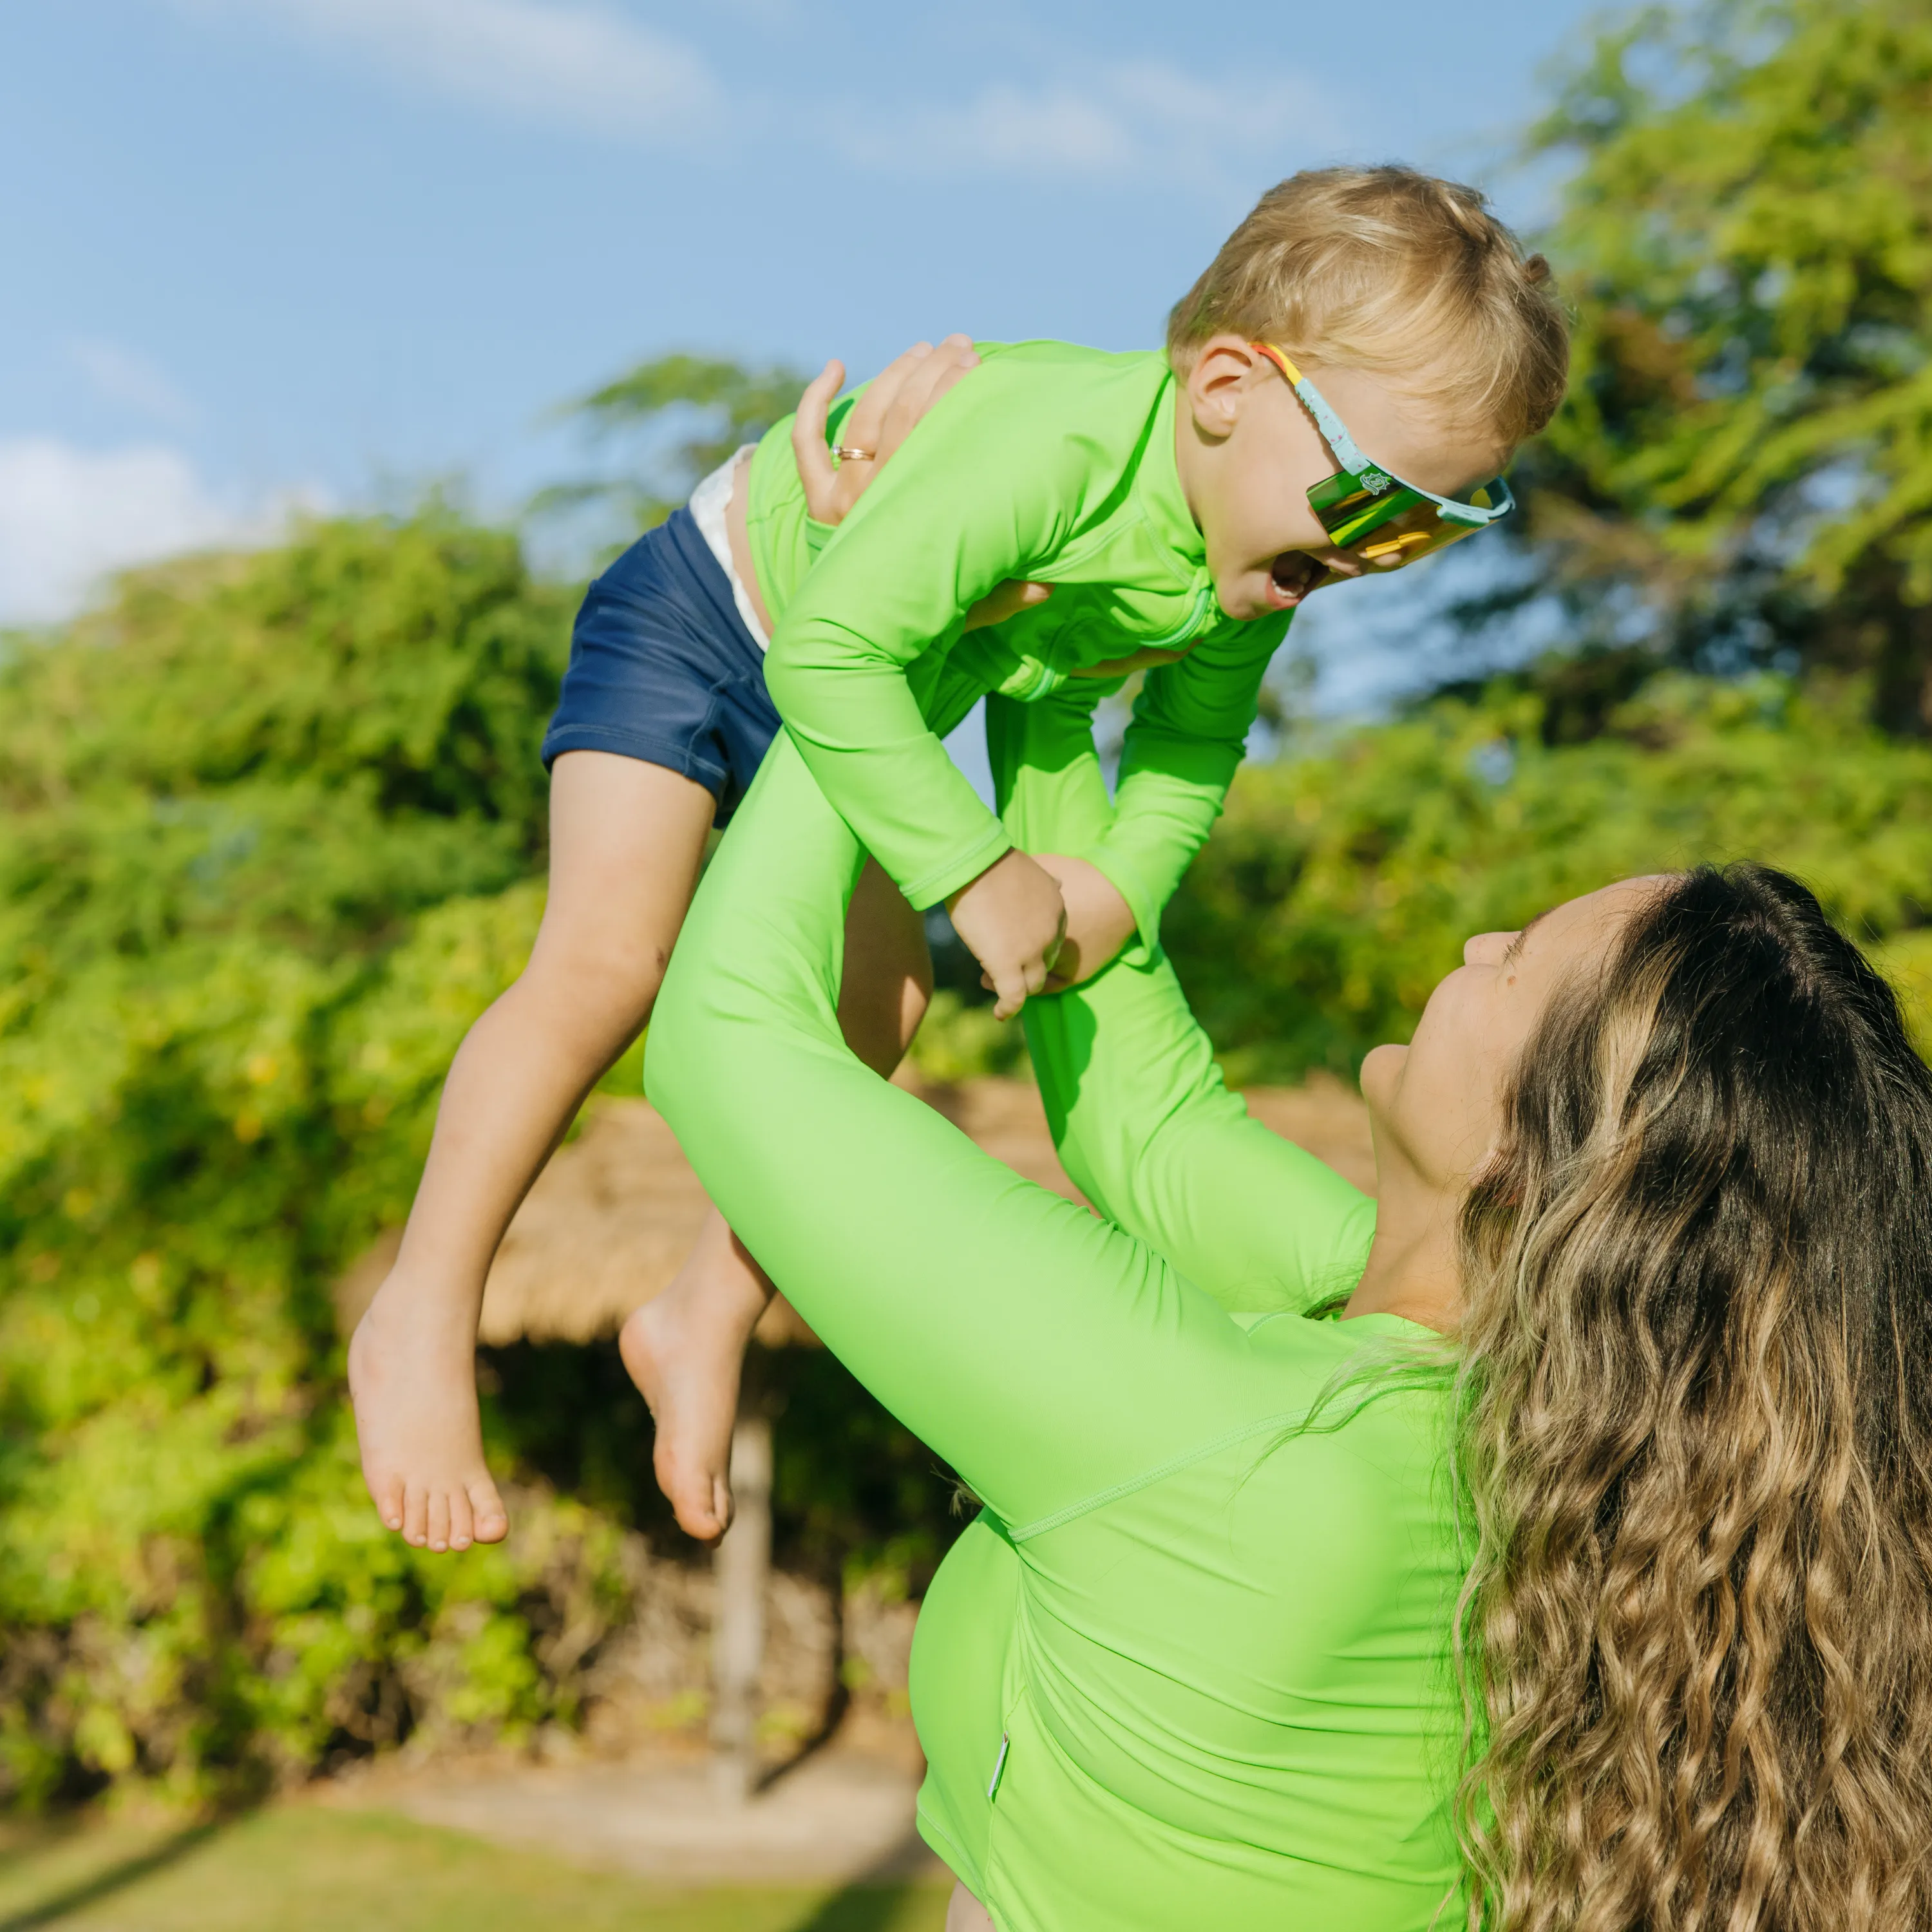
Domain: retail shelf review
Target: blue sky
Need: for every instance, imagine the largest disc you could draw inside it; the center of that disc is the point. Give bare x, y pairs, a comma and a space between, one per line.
325, 251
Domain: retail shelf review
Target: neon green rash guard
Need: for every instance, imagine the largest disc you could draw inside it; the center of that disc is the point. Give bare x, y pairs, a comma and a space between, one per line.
1186, 1668
1048, 462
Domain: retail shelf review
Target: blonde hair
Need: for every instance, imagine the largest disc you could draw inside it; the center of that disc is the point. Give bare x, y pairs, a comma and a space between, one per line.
1695, 1438
1392, 271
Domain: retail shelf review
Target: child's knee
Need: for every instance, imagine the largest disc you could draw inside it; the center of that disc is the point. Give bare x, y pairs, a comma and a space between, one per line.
611, 988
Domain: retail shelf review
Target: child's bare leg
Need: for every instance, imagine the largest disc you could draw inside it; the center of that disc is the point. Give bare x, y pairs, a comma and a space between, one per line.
964, 1913
684, 1348
626, 841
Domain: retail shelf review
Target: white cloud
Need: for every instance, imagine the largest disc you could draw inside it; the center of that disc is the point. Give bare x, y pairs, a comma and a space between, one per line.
69, 516
1131, 119
125, 376
571, 63
587, 66
1055, 128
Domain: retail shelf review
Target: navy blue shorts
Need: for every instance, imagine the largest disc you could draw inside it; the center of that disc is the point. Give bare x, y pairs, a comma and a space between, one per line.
662, 668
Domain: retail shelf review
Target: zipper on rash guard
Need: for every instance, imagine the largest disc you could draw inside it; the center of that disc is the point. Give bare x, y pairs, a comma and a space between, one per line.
1188, 625
999, 1765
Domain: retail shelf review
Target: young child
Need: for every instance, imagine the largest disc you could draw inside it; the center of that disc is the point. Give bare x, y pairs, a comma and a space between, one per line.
1169, 511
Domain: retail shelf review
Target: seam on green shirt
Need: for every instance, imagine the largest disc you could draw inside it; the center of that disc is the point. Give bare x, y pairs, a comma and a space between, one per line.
1173, 1465
956, 872
952, 1853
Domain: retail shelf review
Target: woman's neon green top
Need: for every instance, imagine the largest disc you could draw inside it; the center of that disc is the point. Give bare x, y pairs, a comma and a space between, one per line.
1049, 462
1185, 1668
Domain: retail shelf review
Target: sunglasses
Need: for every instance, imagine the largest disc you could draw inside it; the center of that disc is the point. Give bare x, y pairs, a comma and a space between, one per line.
1373, 515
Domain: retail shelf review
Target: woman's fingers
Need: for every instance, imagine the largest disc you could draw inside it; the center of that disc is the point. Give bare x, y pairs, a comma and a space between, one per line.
878, 422
865, 421
807, 438
917, 383
864, 427
923, 386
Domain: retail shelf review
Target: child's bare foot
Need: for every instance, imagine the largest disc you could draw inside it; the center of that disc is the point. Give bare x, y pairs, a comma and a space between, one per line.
685, 1351
413, 1383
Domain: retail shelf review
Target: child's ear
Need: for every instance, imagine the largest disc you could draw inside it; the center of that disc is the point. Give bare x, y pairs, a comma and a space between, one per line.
1215, 384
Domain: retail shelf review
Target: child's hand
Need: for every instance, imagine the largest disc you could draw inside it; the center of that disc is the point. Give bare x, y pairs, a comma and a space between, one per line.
1012, 920
1098, 920
881, 420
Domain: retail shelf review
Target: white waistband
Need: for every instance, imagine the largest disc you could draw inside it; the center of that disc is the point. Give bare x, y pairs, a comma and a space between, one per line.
709, 502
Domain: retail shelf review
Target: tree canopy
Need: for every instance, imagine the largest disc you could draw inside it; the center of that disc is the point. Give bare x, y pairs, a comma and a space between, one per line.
1743, 474
678, 417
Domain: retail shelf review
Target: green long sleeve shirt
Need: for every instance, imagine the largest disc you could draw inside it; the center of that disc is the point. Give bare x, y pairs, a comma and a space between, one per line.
1048, 462
1189, 1667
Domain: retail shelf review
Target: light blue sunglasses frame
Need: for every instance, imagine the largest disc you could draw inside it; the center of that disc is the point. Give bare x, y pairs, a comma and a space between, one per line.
1363, 495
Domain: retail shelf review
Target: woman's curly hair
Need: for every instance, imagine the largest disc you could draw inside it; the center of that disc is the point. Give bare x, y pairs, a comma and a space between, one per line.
1694, 1439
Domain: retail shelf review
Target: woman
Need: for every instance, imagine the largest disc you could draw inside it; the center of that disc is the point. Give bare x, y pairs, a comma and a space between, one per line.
1554, 1535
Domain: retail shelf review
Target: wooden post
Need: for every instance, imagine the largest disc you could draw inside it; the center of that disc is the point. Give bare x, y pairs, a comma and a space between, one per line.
742, 1566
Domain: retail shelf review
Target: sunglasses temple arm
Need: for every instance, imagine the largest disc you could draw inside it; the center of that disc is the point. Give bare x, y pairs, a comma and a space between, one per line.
1330, 425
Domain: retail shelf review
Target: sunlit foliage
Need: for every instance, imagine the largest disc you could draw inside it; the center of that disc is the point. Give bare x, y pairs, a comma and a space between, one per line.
264, 826
1342, 882
1744, 473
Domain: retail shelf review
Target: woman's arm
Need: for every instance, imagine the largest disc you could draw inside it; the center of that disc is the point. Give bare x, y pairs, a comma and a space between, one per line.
1189, 732
1046, 1354
1144, 1124
1147, 1129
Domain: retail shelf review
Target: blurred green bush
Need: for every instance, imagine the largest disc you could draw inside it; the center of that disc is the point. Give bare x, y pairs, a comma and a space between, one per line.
1742, 475
1343, 880
268, 824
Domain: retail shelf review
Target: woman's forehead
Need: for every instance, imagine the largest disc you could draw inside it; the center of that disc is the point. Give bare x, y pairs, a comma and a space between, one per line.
1608, 905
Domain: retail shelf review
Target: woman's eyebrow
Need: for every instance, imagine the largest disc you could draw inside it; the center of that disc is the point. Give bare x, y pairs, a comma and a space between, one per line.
1527, 927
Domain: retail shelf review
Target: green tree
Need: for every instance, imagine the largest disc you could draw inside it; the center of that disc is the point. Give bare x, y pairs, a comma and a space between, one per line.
267, 825
1342, 883
679, 417
1743, 474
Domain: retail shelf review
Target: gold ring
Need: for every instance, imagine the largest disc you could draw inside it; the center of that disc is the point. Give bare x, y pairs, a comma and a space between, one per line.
844, 453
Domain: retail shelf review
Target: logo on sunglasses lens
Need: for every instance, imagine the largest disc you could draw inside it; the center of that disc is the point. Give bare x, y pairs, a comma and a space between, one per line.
1374, 481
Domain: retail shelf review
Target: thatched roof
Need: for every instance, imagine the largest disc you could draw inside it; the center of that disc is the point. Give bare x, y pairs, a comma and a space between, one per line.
612, 1218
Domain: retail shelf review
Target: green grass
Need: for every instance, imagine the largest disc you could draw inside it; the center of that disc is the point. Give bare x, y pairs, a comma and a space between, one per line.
302, 1869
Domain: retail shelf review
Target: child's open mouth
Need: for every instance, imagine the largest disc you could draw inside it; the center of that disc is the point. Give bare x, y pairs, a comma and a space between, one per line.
1292, 576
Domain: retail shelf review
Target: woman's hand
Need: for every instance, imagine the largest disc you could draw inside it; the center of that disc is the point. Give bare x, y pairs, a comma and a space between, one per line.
895, 399
1098, 920
879, 421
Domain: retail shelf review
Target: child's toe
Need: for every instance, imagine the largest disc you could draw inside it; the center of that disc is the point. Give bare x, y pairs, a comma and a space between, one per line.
437, 1520
416, 1514
462, 1525
388, 1494
491, 1521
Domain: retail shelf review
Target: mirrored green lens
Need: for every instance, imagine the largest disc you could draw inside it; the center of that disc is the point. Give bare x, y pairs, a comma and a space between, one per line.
1392, 521
1349, 509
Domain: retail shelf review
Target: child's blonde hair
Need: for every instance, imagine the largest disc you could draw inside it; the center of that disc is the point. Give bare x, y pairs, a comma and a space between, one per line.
1393, 272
